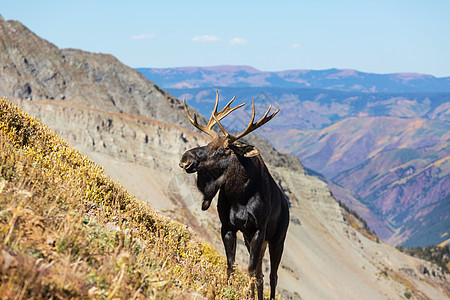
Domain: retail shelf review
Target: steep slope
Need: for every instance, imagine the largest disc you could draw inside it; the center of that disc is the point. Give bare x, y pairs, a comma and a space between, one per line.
421, 180
70, 232
35, 69
323, 253
375, 222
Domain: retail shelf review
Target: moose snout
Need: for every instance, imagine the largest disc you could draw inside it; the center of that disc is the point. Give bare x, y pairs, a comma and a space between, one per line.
185, 164
188, 163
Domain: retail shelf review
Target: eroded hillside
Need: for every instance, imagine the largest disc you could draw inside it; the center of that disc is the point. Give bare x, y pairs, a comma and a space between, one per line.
323, 252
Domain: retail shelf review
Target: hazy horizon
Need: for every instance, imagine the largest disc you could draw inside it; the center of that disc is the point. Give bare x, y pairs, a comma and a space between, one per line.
284, 70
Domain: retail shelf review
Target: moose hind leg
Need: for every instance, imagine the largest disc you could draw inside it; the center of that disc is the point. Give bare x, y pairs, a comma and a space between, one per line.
259, 274
256, 247
275, 252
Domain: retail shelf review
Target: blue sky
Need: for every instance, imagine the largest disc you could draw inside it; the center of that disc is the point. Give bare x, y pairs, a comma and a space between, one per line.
370, 36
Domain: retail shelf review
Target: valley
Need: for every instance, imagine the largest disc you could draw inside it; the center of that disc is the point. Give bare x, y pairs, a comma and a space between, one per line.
373, 148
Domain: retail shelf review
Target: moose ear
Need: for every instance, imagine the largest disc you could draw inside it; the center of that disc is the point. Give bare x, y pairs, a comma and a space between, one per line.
244, 149
251, 151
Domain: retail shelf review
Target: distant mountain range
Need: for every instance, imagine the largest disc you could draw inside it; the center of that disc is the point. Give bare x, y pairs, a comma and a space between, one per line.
389, 150
335, 79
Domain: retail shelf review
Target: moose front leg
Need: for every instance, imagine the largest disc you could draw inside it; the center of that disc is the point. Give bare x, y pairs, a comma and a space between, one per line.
229, 241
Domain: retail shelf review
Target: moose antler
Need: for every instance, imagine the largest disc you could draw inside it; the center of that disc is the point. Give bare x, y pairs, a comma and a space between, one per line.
251, 126
215, 116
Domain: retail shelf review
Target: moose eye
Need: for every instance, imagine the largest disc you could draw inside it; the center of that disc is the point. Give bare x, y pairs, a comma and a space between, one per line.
220, 150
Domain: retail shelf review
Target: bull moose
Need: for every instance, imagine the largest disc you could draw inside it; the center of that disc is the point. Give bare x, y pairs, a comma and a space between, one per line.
249, 199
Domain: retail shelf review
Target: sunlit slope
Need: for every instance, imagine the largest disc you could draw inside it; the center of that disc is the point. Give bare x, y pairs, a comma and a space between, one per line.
68, 230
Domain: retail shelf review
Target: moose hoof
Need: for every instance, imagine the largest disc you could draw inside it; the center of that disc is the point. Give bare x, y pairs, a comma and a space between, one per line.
206, 204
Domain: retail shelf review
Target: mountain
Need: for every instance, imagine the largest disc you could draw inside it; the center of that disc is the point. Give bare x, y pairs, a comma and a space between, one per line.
337, 133
396, 173
335, 79
307, 109
346, 143
326, 257
35, 69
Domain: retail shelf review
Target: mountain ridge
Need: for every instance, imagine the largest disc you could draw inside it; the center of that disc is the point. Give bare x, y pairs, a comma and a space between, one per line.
46, 72
336, 79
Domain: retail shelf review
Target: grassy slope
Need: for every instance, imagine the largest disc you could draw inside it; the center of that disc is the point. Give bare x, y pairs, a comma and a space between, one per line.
68, 230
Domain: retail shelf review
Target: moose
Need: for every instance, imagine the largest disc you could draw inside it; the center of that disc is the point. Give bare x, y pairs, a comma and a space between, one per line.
249, 200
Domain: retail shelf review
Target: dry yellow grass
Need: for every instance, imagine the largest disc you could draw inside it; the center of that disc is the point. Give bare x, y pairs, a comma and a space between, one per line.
69, 231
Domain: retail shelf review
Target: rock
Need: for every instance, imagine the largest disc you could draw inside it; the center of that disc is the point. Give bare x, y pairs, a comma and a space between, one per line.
7, 261
423, 270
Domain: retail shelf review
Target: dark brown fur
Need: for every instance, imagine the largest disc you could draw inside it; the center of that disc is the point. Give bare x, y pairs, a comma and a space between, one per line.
249, 201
